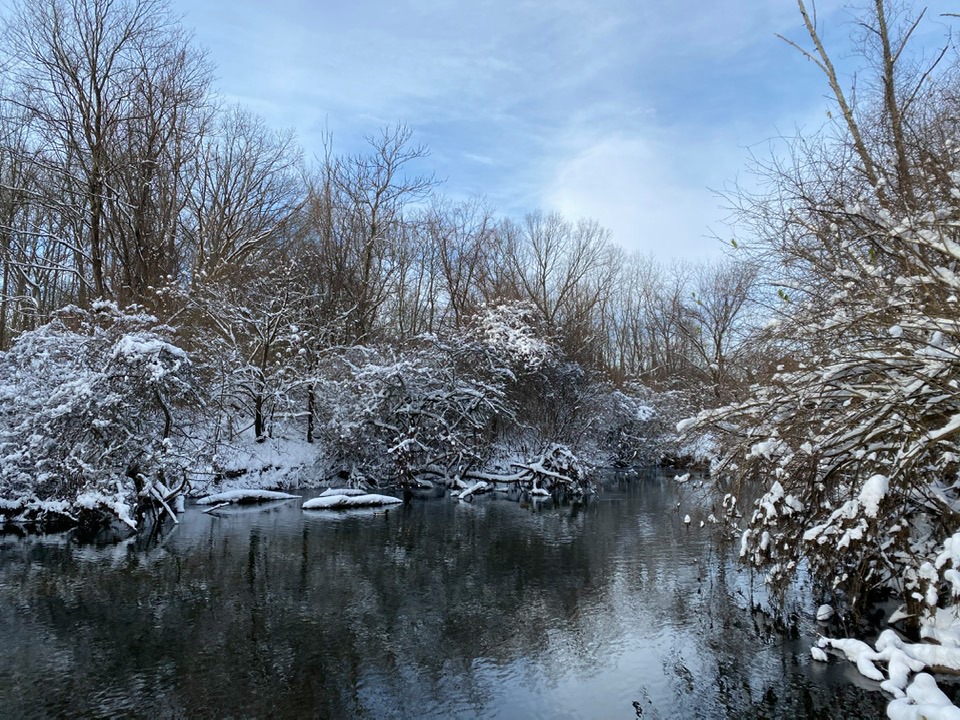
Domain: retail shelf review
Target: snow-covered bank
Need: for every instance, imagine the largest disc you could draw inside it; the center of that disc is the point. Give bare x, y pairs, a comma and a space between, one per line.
923, 640
938, 651
913, 700
91, 507
278, 463
107, 417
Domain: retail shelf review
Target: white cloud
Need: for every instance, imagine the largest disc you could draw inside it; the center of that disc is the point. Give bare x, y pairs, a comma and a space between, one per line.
630, 186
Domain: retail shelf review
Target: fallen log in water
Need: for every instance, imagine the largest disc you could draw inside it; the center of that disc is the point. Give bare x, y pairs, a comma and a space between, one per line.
342, 502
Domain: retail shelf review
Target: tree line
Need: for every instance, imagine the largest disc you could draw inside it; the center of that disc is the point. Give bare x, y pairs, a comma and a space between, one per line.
124, 177
183, 252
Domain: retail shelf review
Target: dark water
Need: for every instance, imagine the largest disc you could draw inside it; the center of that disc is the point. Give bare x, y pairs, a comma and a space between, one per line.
436, 609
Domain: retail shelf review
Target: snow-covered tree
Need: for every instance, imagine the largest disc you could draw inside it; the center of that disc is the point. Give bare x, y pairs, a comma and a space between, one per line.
447, 408
413, 414
258, 333
851, 448
91, 422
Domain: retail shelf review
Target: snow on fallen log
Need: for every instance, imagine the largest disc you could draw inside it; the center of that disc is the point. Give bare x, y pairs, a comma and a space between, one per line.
214, 508
343, 502
477, 488
243, 497
918, 699
342, 491
114, 504
13, 507
856, 651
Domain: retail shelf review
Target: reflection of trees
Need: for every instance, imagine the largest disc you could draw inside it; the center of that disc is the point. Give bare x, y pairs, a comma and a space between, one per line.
428, 609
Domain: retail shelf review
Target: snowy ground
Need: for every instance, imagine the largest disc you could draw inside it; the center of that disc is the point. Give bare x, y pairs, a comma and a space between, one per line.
277, 463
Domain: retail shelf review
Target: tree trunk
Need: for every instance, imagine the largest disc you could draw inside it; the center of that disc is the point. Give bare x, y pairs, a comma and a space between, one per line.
258, 419
310, 405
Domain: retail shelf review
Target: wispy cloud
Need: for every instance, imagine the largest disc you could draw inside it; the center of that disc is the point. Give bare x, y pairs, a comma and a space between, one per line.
622, 110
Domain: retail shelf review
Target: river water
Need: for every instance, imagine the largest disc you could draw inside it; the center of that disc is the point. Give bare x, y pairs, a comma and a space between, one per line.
612, 609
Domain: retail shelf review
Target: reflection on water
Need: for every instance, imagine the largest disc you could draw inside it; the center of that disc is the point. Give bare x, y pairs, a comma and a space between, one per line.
435, 609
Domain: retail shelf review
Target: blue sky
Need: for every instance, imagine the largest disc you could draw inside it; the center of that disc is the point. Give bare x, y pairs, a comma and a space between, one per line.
628, 111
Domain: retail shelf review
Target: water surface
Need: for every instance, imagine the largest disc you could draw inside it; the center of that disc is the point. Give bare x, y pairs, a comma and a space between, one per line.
613, 609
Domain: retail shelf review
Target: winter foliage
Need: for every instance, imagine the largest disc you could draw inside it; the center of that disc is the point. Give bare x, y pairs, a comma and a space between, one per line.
849, 450
858, 436
106, 416
69, 436
341, 303
469, 406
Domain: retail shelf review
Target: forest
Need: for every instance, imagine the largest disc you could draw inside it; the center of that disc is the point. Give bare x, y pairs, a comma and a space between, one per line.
181, 287
179, 282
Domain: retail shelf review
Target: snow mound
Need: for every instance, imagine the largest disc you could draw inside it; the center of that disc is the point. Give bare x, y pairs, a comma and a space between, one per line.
244, 496
918, 699
280, 463
340, 502
873, 491
857, 651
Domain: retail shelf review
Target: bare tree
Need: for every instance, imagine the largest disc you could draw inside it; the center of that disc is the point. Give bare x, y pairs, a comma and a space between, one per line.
111, 94
463, 237
71, 66
565, 270
150, 187
717, 322
357, 214
246, 187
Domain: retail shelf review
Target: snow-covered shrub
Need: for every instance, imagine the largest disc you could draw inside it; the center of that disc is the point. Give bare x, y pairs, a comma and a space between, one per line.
431, 410
510, 331
855, 440
252, 333
454, 408
557, 469
555, 402
858, 444
88, 420
640, 425
852, 447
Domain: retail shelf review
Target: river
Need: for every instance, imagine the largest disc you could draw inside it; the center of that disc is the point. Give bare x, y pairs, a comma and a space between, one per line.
610, 609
